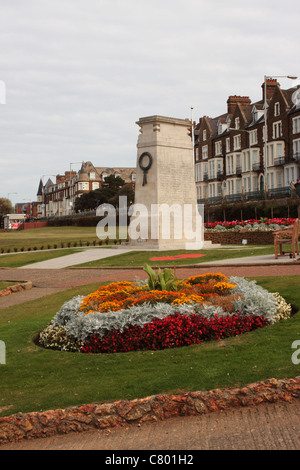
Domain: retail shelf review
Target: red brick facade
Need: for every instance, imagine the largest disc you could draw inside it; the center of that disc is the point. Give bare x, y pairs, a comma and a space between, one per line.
230, 160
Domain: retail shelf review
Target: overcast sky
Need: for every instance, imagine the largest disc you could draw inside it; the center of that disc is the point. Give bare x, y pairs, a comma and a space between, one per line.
80, 73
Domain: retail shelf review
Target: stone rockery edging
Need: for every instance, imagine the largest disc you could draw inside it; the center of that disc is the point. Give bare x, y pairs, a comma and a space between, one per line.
16, 288
154, 408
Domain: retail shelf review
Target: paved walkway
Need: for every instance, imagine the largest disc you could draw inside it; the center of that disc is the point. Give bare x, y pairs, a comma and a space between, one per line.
93, 254
81, 257
265, 427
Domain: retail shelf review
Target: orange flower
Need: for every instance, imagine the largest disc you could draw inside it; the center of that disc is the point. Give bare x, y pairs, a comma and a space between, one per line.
119, 295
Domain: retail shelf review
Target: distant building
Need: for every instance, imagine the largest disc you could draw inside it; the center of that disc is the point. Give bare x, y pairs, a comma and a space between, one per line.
57, 199
230, 160
27, 208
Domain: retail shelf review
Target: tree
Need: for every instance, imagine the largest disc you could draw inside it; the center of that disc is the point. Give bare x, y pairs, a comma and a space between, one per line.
96, 197
6, 206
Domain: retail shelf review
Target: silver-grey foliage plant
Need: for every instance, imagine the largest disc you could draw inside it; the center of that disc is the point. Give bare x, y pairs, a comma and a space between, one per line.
253, 300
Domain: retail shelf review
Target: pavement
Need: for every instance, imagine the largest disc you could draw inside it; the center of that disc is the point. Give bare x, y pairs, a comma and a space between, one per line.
273, 426
84, 256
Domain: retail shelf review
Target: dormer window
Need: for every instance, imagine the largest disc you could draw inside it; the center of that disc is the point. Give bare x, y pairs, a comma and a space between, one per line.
237, 123
276, 109
221, 127
256, 114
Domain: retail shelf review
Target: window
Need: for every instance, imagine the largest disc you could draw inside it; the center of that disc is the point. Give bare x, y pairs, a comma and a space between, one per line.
296, 149
279, 150
277, 130
237, 142
255, 183
218, 148
204, 134
296, 125
197, 153
83, 186
228, 144
95, 186
229, 165
270, 154
204, 152
212, 169
246, 161
253, 137
238, 163
255, 156
237, 123
198, 172
92, 175
276, 109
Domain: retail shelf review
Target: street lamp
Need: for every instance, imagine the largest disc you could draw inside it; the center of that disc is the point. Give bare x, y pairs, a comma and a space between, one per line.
269, 77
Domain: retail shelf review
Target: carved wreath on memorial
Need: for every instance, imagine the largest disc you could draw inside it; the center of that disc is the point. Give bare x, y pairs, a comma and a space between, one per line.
145, 162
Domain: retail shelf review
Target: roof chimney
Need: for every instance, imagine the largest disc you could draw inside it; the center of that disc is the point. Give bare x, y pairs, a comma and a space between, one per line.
232, 101
271, 84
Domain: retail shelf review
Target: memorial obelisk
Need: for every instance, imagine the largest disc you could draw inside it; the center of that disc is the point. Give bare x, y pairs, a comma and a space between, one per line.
165, 215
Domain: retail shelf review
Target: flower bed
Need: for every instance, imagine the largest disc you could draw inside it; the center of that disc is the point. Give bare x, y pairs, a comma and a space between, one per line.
129, 316
251, 225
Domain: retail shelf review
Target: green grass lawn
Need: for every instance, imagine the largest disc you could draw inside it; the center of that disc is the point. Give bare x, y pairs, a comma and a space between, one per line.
46, 236
5, 284
22, 259
35, 379
139, 258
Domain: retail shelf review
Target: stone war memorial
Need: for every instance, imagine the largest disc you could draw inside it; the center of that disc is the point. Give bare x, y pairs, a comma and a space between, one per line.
165, 215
